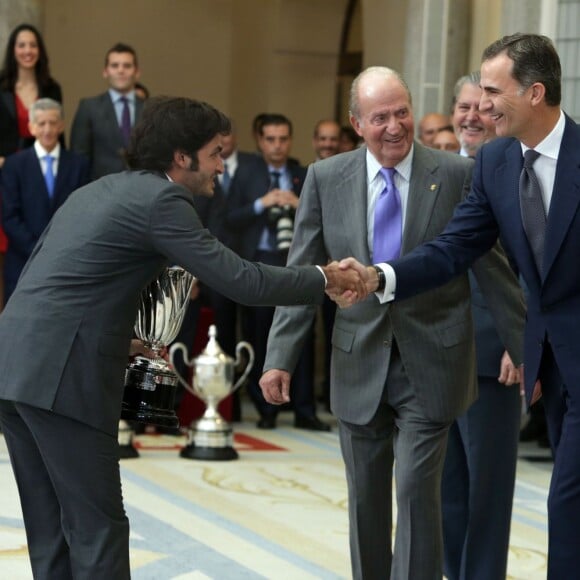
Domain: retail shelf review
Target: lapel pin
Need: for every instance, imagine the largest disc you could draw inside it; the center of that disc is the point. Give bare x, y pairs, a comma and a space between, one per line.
433, 187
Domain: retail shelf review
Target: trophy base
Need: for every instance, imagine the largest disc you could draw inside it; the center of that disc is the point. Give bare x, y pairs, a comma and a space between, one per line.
125, 439
151, 416
149, 395
192, 451
210, 439
128, 452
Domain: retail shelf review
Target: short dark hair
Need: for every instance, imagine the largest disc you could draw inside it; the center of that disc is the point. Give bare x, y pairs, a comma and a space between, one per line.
535, 60
274, 119
121, 47
9, 74
170, 124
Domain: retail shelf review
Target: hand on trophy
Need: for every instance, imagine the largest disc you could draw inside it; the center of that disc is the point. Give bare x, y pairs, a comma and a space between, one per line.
275, 385
349, 281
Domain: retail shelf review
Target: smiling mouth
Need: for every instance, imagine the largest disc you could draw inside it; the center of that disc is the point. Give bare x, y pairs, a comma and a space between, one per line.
394, 140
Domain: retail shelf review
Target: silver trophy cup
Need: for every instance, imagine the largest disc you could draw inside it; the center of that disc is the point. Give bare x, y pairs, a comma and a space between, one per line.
150, 383
211, 437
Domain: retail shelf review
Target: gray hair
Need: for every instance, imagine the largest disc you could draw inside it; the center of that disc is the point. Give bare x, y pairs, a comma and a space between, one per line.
45, 105
473, 78
354, 107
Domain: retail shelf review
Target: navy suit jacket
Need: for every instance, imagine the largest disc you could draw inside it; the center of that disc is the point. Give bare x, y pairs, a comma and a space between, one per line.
252, 180
26, 206
491, 209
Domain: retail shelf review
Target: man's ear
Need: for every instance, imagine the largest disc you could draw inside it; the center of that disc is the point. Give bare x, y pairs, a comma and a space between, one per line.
180, 159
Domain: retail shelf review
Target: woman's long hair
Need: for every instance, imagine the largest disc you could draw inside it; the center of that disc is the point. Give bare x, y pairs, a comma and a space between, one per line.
9, 73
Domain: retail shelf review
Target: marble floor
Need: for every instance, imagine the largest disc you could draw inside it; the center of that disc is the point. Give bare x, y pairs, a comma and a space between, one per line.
278, 512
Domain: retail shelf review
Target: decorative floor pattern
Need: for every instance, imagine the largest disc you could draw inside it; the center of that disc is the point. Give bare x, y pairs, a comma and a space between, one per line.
278, 512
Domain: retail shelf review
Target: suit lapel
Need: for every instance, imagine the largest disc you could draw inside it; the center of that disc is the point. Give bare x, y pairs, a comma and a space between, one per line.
507, 178
37, 179
8, 100
424, 189
565, 195
351, 202
64, 168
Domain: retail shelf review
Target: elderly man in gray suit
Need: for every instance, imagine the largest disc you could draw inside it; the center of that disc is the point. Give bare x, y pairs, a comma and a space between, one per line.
102, 125
400, 374
74, 309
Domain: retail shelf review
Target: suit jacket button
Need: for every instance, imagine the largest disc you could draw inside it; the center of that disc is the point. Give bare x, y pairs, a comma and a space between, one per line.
387, 343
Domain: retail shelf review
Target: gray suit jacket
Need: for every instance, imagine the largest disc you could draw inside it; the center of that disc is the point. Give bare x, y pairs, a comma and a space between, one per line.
433, 331
67, 328
96, 134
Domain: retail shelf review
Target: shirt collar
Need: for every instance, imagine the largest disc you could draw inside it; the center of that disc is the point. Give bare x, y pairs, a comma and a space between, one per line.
550, 145
116, 95
403, 168
280, 170
232, 159
41, 152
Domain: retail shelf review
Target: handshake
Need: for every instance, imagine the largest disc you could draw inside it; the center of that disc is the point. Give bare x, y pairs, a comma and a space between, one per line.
349, 282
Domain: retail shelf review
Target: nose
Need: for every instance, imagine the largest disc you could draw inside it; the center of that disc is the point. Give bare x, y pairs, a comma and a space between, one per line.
472, 113
484, 103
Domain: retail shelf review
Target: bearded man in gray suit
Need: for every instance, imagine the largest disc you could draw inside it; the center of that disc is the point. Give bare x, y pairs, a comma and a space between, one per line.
74, 309
400, 374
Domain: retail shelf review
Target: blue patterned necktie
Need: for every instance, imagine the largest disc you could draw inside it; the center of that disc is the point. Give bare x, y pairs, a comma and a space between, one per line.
388, 222
49, 175
125, 121
532, 207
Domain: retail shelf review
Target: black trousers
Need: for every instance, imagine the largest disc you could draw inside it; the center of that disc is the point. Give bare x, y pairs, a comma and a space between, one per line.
70, 491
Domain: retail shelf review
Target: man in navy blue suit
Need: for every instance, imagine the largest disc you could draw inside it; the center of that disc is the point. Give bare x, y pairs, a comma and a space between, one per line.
35, 183
521, 84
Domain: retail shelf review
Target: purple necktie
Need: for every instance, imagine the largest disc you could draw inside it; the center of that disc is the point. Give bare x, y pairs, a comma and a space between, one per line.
388, 224
125, 121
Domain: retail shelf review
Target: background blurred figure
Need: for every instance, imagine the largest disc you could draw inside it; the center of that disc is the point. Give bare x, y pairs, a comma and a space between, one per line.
35, 183
472, 127
141, 91
348, 139
445, 140
326, 138
102, 125
262, 194
430, 125
25, 77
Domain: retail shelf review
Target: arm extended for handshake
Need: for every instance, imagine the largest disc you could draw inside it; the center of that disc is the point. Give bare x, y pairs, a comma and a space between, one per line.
348, 282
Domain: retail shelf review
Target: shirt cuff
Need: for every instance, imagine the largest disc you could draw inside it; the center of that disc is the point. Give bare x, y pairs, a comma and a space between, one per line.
324, 275
388, 294
258, 207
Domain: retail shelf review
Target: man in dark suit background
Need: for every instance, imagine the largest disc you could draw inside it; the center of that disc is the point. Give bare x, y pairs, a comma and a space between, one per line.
263, 197
102, 124
32, 191
75, 307
534, 208
400, 374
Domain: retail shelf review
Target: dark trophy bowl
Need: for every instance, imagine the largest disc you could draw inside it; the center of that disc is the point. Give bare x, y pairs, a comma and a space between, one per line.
150, 383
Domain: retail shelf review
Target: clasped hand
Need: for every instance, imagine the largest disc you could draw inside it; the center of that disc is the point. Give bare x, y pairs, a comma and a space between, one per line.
349, 282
